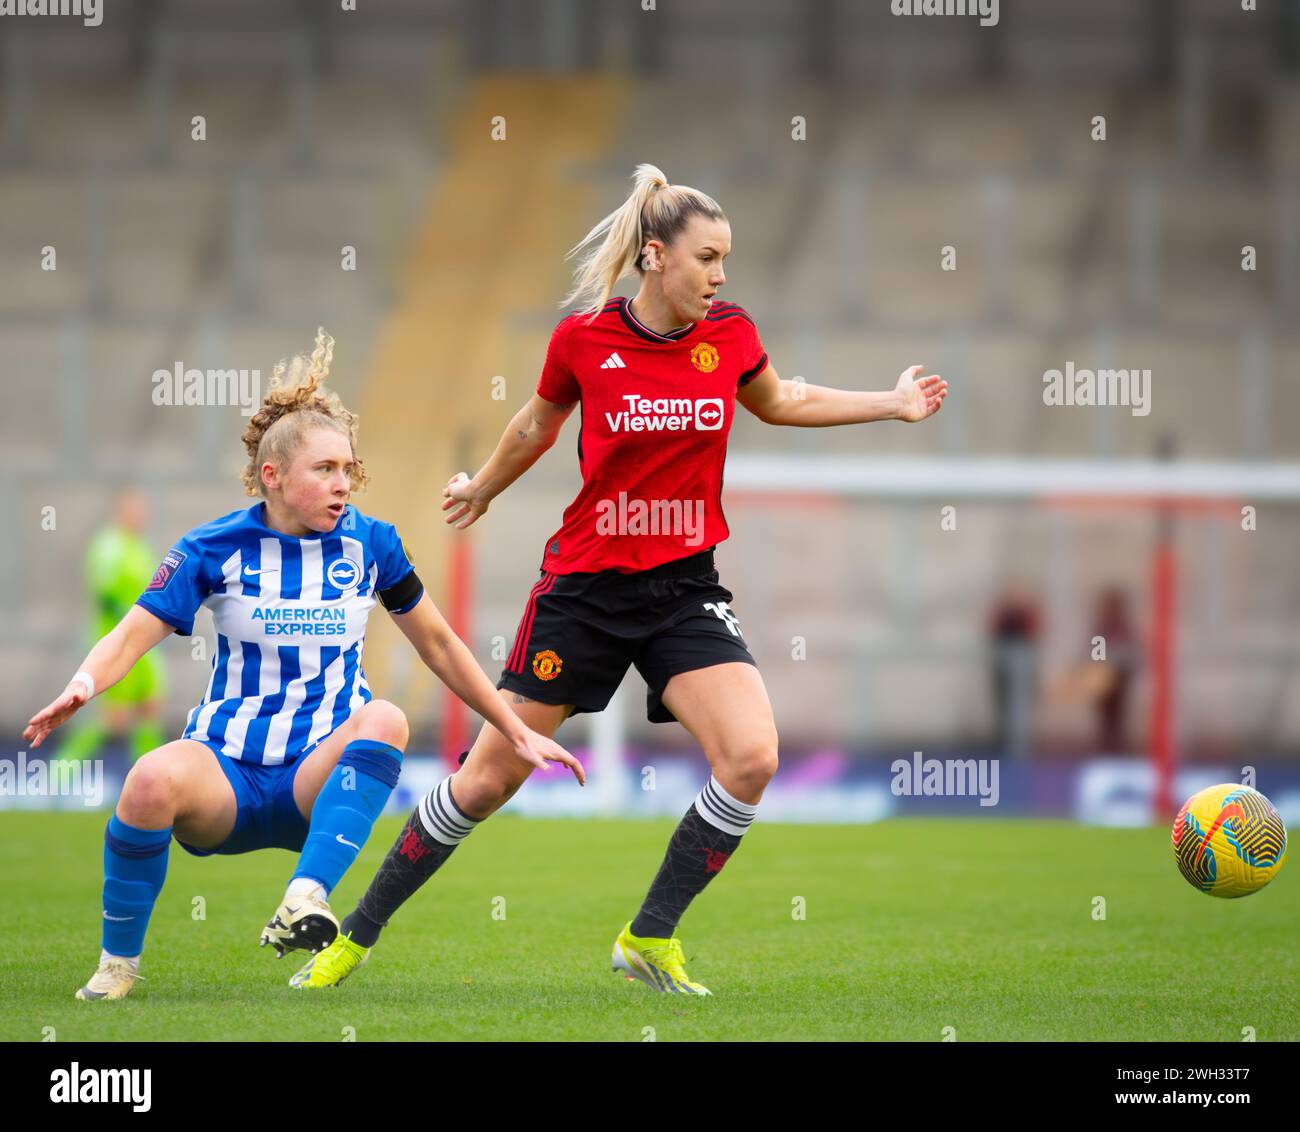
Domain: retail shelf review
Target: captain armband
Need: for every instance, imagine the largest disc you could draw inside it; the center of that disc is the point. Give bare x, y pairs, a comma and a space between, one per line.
402, 597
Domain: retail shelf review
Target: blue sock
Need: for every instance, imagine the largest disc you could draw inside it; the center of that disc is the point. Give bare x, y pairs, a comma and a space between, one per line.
346, 808
135, 865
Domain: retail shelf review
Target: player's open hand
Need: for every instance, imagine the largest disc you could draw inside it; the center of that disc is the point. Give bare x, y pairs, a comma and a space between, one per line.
62, 709
539, 750
461, 502
919, 397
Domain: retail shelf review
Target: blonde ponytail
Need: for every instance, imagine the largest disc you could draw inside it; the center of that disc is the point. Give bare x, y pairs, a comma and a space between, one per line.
297, 402
655, 210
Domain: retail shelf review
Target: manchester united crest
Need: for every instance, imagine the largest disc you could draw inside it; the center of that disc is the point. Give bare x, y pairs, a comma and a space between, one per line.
547, 665
704, 358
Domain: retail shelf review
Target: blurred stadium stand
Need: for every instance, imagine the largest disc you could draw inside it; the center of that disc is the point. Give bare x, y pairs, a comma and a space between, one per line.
327, 128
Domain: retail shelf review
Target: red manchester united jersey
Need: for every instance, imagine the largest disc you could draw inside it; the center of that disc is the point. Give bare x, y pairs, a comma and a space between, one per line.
656, 412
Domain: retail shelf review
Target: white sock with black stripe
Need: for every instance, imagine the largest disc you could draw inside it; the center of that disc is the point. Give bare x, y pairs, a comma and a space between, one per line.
442, 819
431, 833
720, 809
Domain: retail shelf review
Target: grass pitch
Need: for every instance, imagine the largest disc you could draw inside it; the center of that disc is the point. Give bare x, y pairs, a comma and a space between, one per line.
910, 926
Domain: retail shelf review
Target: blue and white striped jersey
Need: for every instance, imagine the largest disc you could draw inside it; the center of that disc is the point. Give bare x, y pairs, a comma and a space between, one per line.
290, 615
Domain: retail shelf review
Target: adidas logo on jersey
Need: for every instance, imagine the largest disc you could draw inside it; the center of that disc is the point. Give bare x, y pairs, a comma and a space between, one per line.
613, 362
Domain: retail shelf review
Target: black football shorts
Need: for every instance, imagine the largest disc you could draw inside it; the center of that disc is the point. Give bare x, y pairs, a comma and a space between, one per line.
580, 632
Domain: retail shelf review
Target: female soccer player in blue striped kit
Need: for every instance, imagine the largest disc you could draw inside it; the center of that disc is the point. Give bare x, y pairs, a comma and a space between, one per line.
287, 748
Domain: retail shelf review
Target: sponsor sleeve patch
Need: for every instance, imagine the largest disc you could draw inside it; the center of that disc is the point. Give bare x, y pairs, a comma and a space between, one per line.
171, 562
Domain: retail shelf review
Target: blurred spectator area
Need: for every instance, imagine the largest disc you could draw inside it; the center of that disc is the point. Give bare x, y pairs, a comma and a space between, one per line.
327, 128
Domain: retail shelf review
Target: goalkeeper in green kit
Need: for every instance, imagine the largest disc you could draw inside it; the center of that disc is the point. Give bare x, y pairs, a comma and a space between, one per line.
119, 564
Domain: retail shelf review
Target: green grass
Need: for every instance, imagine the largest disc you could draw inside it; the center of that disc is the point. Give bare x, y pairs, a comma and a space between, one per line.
912, 926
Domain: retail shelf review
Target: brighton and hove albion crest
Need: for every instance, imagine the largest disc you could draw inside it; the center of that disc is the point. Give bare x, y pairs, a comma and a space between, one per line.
343, 573
704, 357
547, 665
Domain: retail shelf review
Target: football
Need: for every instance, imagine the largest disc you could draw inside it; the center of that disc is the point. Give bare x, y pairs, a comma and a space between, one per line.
1229, 840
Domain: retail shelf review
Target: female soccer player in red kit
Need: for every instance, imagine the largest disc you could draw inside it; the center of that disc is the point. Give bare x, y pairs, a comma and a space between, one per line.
629, 578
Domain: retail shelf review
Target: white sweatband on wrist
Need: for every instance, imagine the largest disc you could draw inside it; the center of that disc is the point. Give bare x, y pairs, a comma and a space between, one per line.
88, 680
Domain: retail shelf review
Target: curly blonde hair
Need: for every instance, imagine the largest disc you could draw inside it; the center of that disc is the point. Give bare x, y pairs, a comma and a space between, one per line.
296, 403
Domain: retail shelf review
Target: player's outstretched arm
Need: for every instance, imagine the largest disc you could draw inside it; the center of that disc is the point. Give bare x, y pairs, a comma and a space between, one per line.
447, 658
817, 406
105, 664
530, 433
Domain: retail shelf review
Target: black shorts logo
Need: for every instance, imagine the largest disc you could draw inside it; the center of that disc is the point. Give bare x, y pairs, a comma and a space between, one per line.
547, 665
